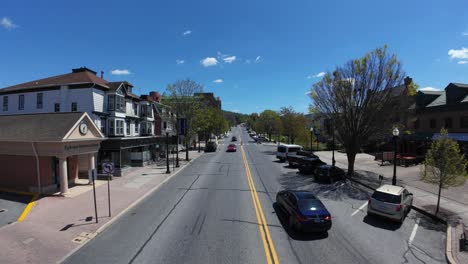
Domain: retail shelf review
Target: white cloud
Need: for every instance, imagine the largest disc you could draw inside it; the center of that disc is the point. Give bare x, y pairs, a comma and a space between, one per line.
218, 81
209, 61
120, 72
308, 93
465, 33
180, 61
187, 32
7, 23
258, 59
429, 89
458, 54
230, 59
463, 62
318, 75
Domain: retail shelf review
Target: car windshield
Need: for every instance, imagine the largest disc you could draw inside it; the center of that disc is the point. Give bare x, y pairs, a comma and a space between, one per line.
293, 149
386, 197
310, 205
282, 149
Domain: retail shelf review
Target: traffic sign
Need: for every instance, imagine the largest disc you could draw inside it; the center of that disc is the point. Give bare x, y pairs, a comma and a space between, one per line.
108, 167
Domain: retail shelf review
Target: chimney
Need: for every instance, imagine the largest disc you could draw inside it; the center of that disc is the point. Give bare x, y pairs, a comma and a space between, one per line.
102, 74
408, 80
155, 96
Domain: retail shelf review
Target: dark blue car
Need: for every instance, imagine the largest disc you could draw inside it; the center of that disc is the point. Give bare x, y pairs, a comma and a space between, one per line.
305, 211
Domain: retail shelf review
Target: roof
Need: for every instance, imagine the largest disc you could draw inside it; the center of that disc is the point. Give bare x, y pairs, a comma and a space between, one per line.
461, 85
289, 146
78, 76
37, 127
391, 189
303, 194
431, 92
441, 100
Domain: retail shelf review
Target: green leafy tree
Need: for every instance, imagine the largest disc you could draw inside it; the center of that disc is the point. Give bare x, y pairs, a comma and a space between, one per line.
269, 122
293, 123
355, 96
444, 164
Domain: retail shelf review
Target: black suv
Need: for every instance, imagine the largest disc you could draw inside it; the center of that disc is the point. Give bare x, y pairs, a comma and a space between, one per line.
234, 139
211, 146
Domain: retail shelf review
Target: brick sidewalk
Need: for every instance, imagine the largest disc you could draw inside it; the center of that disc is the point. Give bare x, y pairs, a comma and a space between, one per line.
46, 235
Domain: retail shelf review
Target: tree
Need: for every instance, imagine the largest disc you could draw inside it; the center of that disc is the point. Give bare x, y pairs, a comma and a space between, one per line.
293, 123
354, 97
444, 164
269, 122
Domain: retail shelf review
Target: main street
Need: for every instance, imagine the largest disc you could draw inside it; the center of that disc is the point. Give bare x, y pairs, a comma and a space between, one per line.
214, 210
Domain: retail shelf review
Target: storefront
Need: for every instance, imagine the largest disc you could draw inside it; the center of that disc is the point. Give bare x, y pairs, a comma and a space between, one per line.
41, 153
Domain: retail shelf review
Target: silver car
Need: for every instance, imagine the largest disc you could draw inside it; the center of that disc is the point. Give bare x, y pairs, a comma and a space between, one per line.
390, 201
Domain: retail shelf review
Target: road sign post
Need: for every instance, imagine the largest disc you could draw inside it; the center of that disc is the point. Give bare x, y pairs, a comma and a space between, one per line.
108, 167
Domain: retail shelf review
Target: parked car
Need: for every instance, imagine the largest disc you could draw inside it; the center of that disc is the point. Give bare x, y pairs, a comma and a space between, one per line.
211, 146
284, 150
390, 201
231, 148
328, 173
295, 159
308, 165
305, 211
234, 139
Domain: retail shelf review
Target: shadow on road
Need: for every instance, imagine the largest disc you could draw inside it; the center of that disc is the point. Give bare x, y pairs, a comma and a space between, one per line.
269, 152
296, 235
381, 222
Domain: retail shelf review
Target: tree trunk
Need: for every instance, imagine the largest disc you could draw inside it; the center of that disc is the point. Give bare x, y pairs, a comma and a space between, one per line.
438, 198
351, 158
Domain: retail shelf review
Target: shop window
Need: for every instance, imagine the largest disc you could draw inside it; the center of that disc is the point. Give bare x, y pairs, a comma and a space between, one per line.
432, 123
21, 102
448, 122
56, 107
5, 103
39, 99
464, 122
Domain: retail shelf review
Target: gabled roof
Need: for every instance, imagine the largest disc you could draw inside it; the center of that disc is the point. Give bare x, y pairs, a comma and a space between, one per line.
441, 100
47, 127
431, 92
78, 76
460, 85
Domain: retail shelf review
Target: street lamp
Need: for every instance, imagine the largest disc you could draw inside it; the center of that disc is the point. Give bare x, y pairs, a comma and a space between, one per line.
396, 132
311, 139
333, 143
167, 150
198, 137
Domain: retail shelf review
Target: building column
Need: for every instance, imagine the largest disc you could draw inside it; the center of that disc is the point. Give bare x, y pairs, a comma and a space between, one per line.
63, 175
91, 167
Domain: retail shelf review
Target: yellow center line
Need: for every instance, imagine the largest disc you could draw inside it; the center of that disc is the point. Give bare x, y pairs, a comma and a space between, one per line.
270, 251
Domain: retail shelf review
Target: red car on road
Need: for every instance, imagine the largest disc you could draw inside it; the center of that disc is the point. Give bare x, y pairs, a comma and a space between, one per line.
231, 148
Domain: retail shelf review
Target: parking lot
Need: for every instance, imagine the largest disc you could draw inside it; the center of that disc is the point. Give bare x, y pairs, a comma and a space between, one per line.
12, 206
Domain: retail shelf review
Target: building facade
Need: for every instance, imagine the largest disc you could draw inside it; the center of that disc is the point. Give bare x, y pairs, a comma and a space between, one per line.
127, 120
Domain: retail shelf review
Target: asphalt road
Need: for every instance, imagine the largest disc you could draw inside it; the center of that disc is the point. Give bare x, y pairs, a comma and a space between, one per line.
207, 214
12, 206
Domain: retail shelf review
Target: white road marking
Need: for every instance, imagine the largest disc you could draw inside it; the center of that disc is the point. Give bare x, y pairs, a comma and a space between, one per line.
413, 233
359, 209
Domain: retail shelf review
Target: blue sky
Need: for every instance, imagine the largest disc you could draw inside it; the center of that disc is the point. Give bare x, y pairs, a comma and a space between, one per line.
267, 52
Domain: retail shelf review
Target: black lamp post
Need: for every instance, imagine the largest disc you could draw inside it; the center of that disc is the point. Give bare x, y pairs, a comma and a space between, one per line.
396, 132
168, 170
333, 145
311, 139
198, 137
177, 143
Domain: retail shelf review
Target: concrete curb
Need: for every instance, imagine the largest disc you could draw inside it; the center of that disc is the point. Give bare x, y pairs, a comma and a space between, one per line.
448, 248
132, 205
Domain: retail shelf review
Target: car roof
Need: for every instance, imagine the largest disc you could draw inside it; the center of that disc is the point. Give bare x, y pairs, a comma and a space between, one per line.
391, 189
290, 146
301, 194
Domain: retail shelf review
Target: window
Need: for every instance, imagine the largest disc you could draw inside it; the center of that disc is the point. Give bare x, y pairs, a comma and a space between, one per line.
111, 102
21, 102
39, 101
143, 111
111, 127
149, 127
149, 111
56, 107
463, 121
128, 127
143, 128
119, 127
164, 125
103, 125
120, 103
432, 123
448, 122
135, 108
5, 103
416, 124
136, 127
74, 107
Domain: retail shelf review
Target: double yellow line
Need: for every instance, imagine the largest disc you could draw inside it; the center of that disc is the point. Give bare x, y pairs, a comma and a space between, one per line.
270, 251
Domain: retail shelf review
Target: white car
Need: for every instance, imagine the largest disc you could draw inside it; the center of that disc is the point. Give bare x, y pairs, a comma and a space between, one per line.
390, 201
